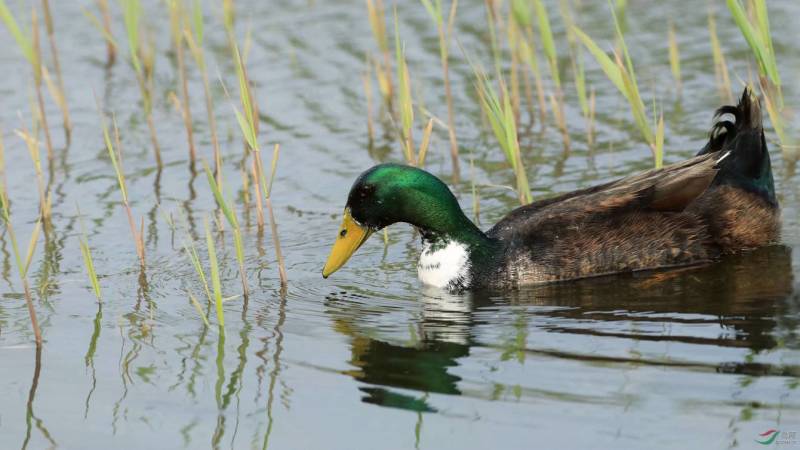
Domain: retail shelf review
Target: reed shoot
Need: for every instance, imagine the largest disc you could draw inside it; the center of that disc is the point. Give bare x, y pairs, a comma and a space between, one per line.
548, 43
116, 161
30, 49
720, 66
199, 309
377, 21
521, 39
445, 31
674, 55
757, 34
227, 211
33, 150
60, 95
177, 26
111, 49
215, 281
272, 223
142, 60
88, 261
22, 264
194, 39
623, 77
501, 117
405, 102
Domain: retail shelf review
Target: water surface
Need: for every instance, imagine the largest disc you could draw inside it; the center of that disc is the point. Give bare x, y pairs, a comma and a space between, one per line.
704, 358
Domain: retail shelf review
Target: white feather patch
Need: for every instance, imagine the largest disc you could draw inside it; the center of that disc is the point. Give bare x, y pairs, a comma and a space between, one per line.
443, 266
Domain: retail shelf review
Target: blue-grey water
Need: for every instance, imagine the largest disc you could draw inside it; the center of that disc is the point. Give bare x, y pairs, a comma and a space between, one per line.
707, 358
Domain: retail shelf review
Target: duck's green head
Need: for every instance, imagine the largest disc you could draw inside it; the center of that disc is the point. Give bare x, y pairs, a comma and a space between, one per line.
390, 193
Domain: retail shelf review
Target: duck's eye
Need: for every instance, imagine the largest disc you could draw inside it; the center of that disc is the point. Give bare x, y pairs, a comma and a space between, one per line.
343, 233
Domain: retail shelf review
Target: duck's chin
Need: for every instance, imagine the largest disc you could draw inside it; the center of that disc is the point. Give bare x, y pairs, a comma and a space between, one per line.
444, 265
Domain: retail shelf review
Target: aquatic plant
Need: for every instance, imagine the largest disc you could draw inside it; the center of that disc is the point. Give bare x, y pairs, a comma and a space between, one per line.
88, 261
585, 99
757, 34
57, 90
622, 75
267, 187
32, 144
193, 33
30, 49
248, 124
383, 72
674, 55
23, 264
720, 66
520, 31
116, 161
142, 59
500, 114
227, 211
215, 280
177, 27
445, 32
404, 100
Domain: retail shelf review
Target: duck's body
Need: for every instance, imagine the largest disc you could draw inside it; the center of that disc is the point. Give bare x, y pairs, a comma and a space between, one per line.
718, 202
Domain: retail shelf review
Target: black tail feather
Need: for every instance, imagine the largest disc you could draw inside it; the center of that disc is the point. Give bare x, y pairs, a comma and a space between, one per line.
748, 165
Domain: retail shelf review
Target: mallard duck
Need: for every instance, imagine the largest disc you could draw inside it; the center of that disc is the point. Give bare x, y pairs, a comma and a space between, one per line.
690, 213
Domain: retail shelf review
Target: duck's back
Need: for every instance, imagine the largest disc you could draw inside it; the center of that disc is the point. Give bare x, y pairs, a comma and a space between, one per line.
689, 213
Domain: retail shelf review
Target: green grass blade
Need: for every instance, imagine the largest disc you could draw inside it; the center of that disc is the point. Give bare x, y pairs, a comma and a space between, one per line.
226, 210
753, 39
547, 40
199, 309
32, 245
89, 263
22, 41
608, 65
434, 10
131, 13
674, 54
197, 22
212, 260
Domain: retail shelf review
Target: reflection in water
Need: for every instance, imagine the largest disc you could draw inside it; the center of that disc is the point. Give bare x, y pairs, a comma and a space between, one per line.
747, 307
277, 335
89, 358
30, 416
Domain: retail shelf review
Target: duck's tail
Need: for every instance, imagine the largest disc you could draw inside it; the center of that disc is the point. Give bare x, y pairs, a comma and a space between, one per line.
744, 161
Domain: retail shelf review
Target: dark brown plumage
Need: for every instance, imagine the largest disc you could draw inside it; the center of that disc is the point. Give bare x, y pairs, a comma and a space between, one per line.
721, 201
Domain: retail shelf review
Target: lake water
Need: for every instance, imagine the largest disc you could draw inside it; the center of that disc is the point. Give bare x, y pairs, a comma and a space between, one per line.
706, 358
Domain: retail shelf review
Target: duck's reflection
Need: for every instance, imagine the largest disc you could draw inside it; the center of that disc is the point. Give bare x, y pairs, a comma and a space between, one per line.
749, 297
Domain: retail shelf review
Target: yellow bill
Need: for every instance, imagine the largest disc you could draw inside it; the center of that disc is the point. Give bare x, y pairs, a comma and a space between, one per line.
351, 236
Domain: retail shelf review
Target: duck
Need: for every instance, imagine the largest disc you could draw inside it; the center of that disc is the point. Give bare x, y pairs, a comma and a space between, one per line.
690, 213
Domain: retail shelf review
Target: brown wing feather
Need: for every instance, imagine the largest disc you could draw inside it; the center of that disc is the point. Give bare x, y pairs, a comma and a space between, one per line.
670, 188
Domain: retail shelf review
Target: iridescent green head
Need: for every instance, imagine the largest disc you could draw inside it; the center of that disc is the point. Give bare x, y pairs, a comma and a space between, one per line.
391, 193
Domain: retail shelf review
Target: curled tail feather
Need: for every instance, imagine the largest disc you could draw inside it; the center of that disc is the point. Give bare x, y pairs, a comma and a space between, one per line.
745, 163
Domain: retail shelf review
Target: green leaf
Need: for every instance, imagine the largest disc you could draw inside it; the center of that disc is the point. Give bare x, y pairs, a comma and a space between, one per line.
226, 210
23, 42
547, 40
608, 65
520, 10
435, 11
199, 308
131, 12
89, 263
753, 39
197, 16
212, 260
